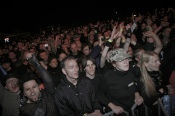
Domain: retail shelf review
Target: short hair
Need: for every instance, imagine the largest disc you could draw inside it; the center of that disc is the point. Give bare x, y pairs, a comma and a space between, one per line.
41, 51
51, 57
22, 55
86, 44
62, 52
62, 64
27, 77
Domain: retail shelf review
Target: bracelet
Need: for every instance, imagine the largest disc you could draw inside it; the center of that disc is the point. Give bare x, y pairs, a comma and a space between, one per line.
128, 41
109, 40
85, 114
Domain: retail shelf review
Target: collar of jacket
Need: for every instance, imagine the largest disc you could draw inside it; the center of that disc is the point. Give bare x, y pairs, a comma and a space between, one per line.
69, 83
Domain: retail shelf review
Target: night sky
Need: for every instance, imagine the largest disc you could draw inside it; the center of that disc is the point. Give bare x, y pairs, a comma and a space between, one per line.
32, 15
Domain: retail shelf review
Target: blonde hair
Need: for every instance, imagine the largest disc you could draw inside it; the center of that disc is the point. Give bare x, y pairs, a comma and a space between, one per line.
145, 77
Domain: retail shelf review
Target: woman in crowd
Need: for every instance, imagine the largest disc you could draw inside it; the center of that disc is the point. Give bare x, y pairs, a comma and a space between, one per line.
150, 83
54, 70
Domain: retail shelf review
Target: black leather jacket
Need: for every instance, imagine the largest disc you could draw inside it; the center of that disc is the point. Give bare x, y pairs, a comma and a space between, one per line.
45, 106
76, 100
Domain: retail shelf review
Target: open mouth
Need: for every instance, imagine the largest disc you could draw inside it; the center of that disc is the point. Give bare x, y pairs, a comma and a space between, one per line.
33, 94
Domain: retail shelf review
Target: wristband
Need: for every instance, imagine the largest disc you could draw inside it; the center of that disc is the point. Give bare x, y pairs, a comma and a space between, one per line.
109, 40
85, 114
128, 41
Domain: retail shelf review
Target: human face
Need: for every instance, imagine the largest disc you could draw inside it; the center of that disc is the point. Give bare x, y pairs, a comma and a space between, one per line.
78, 45
74, 48
20, 45
86, 50
90, 68
71, 69
12, 55
166, 32
130, 51
53, 63
62, 56
12, 85
153, 64
31, 90
6, 66
133, 37
44, 56
139, 55
122, 65
32, 50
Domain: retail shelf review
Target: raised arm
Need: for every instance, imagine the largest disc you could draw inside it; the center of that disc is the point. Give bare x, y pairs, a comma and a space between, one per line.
152, 37
114, 34
46, 77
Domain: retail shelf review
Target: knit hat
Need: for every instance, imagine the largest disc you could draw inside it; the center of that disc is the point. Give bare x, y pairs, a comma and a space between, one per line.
118, 55
8, 76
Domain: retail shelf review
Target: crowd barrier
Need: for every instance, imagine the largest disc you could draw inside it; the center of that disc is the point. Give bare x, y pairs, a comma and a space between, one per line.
161, 110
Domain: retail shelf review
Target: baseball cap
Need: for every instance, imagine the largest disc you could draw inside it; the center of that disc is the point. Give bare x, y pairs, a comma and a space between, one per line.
118, 55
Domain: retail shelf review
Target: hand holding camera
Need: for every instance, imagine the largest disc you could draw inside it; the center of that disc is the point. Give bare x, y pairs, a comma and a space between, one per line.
6, 40
46, 45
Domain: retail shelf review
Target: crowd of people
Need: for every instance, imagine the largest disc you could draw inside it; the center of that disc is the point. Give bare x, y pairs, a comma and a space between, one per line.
92, 69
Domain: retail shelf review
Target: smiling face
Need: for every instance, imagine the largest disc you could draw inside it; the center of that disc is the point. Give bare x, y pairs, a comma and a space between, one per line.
12, 85
31, 90
153, 64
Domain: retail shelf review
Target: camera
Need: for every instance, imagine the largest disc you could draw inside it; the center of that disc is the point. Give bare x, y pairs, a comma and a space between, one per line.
6, 40
46, 45
103, 39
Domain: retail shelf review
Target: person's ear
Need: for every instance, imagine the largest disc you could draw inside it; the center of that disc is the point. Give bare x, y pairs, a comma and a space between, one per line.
39, 88
64, 71
146, 64
137, 59
113, 64
6, 87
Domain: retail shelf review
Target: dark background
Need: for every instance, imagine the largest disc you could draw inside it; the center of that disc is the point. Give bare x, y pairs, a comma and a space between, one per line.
28, 16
